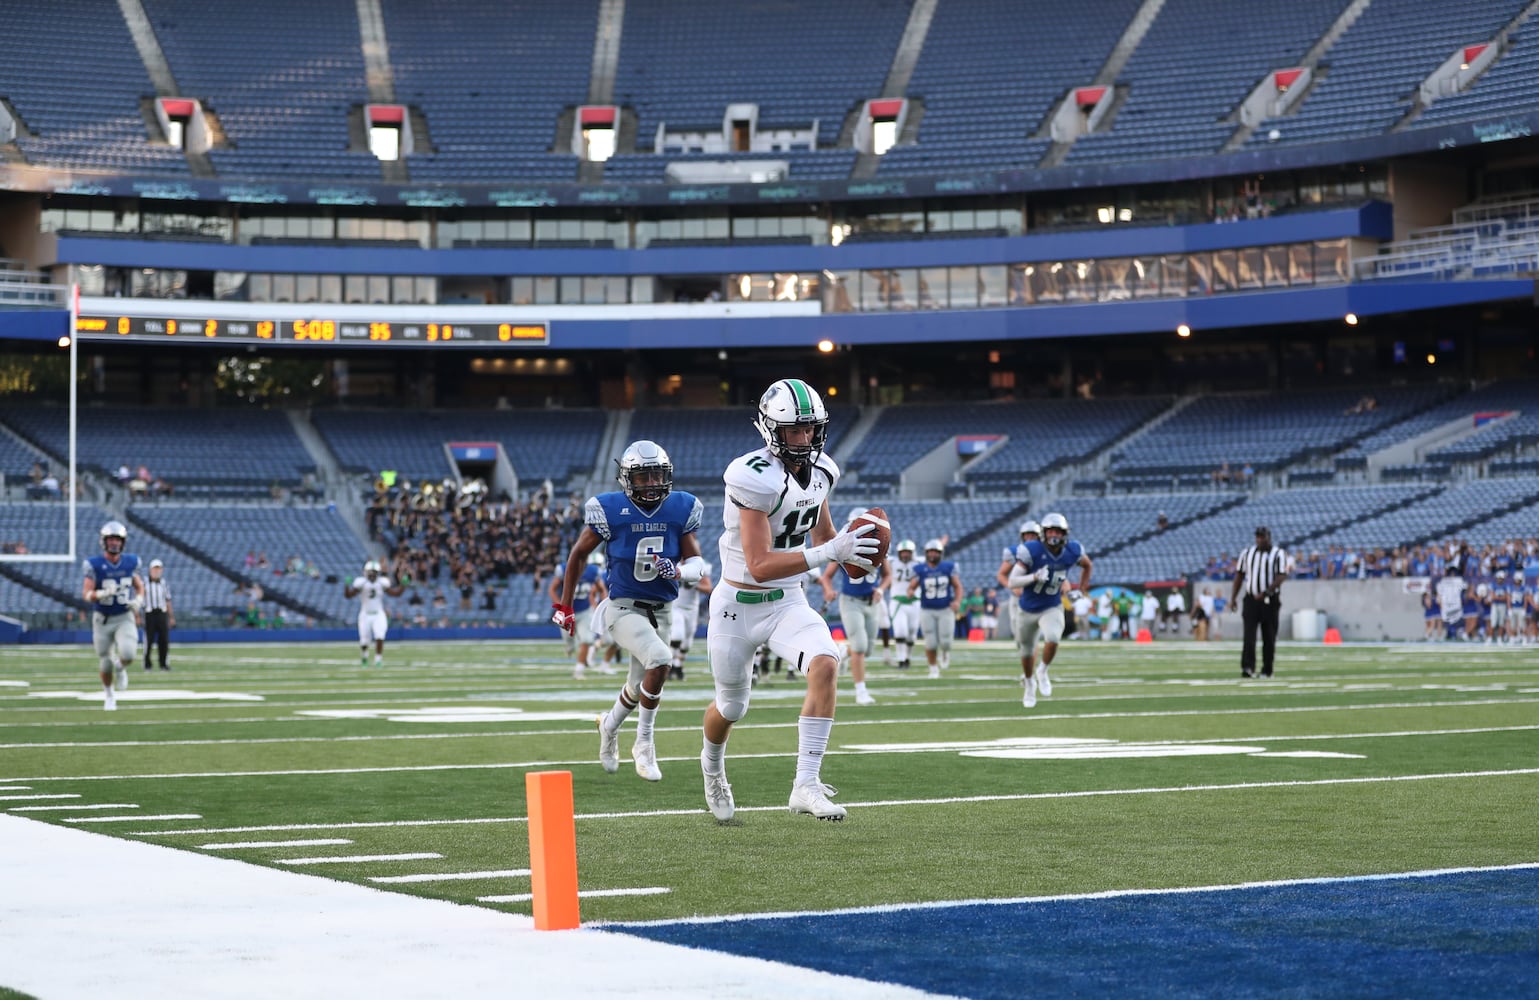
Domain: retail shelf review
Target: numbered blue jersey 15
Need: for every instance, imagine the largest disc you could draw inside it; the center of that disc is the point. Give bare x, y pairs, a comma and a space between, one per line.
1043, 594
101, 569
635, 537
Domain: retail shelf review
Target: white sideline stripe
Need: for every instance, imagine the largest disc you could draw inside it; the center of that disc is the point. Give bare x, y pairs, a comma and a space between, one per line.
449, 876
78, 807
361, 858
127, 819
318, 842
29, 798
843, 723
524, 897
1024, 796
17, 788
1069, 897
244, 930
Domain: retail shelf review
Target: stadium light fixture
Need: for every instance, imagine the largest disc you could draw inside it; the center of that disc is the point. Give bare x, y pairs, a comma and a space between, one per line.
1432, 359
64, 341
826, 346
1351, 319
1183, 331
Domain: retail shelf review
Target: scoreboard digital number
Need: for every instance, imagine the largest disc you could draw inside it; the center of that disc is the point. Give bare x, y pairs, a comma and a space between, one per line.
312, 331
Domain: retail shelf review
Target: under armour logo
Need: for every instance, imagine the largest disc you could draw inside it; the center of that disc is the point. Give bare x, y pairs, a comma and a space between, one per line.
729, 614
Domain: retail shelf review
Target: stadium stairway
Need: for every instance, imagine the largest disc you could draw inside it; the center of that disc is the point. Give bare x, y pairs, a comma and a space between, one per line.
1097, 465
339, 488
271, 592
1137, 540
1330, 529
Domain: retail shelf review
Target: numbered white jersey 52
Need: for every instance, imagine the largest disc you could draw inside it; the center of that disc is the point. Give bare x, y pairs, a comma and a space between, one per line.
758, 481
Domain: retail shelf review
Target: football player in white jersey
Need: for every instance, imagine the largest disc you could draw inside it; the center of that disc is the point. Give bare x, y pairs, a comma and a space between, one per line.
777, 499
686, 619
372, 587
904, 612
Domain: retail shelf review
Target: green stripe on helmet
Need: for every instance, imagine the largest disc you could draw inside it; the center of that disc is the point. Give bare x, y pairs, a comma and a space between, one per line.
803, 397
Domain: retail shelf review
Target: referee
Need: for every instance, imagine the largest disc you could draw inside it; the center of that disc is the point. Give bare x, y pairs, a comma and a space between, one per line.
158, 617
1260, 572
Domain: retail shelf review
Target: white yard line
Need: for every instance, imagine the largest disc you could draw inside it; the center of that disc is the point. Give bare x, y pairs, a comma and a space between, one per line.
238, 930
318, 842
1020, 797
358, 859
587, 731
524, 897
1071, 897
449, 876
77, 807
127, 819
29, 798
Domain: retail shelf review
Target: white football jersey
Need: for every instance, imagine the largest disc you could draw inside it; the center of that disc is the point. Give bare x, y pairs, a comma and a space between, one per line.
902, 573
371, 595
688, 600
758, 481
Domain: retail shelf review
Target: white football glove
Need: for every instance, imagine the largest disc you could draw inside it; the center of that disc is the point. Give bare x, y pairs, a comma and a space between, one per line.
106, 589
1040, 575
846, 547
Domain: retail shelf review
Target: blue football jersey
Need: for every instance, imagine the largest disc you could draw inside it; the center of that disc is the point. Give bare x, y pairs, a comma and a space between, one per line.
634, 538
1043, 596
123, 571
582, 596
935, 583
858, 588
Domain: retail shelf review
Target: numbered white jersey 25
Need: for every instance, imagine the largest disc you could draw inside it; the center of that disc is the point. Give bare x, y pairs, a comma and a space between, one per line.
758, 481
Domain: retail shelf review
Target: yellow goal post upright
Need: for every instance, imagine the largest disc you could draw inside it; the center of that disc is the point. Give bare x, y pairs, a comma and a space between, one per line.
46, 315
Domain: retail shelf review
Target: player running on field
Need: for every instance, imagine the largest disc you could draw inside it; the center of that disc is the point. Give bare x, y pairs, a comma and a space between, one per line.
777, 499
115, 592
371, 589
1048, 563
648, 534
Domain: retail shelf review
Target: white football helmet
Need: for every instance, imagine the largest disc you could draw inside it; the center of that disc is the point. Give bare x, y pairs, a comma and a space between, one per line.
596, 558
372, 568
1055, 522
855, 512
792, 403
646, 473
907, 545
1031, 528
936, 544
114, 529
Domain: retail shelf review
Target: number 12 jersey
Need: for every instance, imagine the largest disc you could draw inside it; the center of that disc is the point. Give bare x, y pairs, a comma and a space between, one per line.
759, 481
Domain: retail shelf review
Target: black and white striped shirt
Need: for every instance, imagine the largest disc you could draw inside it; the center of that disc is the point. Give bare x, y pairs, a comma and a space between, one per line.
1261, 572
157, 596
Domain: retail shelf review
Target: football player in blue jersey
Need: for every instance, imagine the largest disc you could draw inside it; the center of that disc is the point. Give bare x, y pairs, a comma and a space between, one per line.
1012, 576
588, 595
859, 601
1047, 564
939, 590
648, 534
115, 592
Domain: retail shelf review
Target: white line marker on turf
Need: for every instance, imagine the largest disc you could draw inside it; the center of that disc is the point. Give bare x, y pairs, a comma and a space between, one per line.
318, 842
360, 858
26, 798
450, 876
1310, 753
524, 897
77, 807
1020, 797
128, 819
16, 788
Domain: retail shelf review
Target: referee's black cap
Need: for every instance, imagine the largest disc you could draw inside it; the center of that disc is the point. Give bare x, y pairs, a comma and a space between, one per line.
1262, 531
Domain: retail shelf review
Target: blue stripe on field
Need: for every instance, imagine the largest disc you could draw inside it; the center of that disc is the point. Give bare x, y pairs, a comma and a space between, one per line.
1475, 934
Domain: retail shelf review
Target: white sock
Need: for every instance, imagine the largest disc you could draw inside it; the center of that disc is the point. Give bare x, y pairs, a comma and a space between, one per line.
713, 757
811, 740
644, 719
619, 713
860, 687
945, 660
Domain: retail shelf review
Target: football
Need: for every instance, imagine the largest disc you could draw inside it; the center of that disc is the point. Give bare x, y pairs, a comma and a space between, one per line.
882, 534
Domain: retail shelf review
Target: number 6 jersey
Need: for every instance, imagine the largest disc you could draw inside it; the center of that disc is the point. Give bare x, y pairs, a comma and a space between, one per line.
758, 481
634, 537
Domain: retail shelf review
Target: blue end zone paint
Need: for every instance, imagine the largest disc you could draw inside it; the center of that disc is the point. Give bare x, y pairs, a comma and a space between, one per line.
1475, 934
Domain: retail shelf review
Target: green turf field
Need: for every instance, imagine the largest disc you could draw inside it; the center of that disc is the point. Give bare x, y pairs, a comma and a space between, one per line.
1152, 766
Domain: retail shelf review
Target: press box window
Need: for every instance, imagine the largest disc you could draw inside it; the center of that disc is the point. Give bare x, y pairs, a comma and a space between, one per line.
597, 132
387, 124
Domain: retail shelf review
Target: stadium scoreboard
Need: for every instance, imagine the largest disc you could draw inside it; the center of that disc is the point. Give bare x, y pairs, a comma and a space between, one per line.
287, 332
